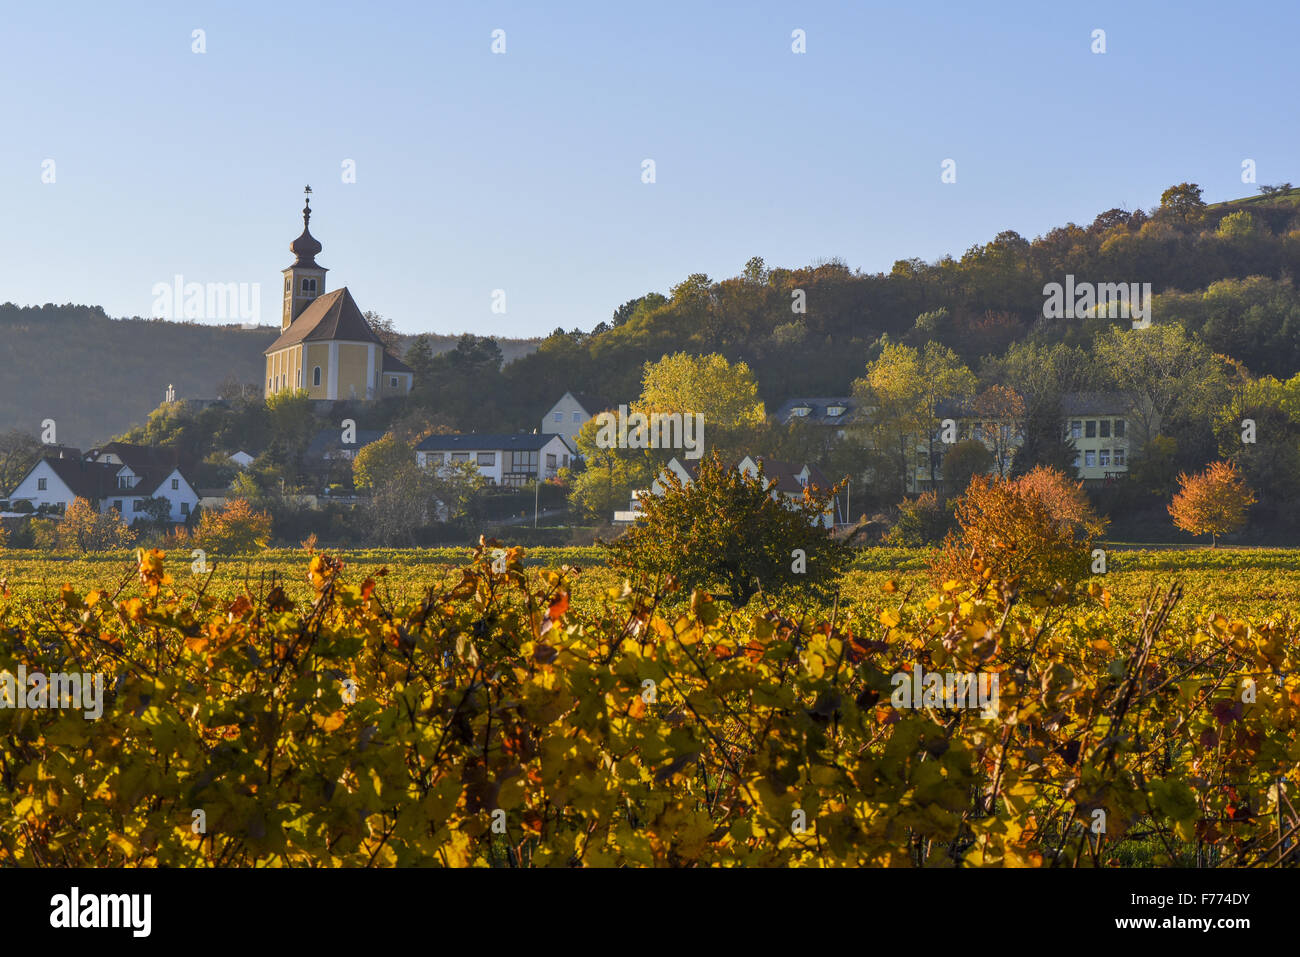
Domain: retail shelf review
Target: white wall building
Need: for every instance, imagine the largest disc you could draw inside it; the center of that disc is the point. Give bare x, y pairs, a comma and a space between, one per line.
504, 459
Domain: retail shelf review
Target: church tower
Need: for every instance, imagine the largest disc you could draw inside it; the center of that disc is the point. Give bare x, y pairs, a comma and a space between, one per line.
304, 280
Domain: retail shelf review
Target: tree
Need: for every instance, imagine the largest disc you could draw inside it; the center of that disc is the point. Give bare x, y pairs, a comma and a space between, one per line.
923, 520
383, 457
608, 476
1212, 502
1182, 204
965, 460
1001, 411
18, 453
86, 529
904, 388
1034, 533
727, 529
383, 328
726, 394
1161, 369
235, 529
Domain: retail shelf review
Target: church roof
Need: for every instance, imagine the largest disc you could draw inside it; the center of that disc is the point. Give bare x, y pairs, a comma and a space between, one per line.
394, 364
331, 316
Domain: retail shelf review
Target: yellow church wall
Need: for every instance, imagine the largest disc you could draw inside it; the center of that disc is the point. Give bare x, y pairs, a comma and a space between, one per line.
352, 370
318, 354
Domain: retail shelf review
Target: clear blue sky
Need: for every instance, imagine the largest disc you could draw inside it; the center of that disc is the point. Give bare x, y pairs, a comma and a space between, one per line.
523, 171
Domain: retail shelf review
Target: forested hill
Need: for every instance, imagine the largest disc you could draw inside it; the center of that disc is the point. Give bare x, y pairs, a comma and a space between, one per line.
1226, 272
97, 377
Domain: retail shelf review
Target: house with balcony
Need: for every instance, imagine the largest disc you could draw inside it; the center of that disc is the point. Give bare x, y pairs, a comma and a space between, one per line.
511, 460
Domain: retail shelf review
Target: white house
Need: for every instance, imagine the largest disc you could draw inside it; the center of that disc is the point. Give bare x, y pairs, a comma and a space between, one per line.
787, 480
240, 458
569, 414
512, 460
117, 476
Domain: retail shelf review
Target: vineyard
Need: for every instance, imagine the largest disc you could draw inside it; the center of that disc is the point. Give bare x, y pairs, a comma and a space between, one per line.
494, 709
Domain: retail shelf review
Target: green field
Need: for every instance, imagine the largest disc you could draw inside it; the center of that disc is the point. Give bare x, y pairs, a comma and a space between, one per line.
1243, 582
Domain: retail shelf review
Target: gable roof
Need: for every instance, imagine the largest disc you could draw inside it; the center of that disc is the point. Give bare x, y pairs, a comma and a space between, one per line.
1094, 403
331, 440
88, 480
331, 316
151, 464
394, 364
487, 442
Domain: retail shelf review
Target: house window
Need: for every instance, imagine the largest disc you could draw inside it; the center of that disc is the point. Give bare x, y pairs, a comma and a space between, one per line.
577, 417
1119, 428
176, 483
1105, 428
835, 410
42, 484
1076, 429
1119, 459
487, 458
459, 457
523, 461
432, 458
137, 505
1090, 429
392, 381
801, 410
185, 508
117, 505
1105, 458
315, 376
566, 461
1090, 459
123, 481
550, 461
1078, 460
558, 417
268, 384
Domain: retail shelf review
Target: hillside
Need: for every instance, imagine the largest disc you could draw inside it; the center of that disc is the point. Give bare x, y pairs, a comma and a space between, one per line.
121, 367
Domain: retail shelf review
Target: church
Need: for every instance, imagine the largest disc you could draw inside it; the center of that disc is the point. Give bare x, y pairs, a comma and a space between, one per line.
326, 347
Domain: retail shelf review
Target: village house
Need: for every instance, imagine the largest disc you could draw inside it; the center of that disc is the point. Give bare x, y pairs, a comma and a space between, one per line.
786, 480
115, 476
569, 414
512, 460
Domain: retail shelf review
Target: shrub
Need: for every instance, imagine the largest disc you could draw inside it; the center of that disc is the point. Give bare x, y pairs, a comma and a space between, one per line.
923, 520
726, 529
1034, 533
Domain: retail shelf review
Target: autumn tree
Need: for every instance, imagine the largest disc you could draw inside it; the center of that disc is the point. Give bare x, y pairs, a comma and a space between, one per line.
965, 460
1212, 502
725, 393
904, 388
729, 530
234, 529
1035, 532
86, 529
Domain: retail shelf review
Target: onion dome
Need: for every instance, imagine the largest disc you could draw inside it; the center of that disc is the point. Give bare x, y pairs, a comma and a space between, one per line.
306, 246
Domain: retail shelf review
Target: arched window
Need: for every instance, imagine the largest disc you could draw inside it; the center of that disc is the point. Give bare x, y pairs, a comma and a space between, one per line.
315, 376
309, 285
